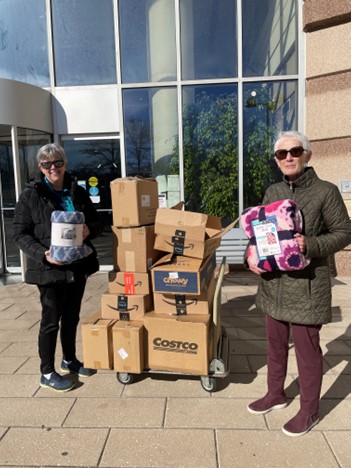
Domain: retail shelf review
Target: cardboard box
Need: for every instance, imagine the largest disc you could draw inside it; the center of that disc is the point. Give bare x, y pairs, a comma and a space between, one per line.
178, 343
121, 282
182, 275
188, 233
128, 347
123, 307
133, 248
134, 201
97, 342
181, 304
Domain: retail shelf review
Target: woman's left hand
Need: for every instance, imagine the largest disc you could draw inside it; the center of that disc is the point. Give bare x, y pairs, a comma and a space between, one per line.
86, 231
301, 242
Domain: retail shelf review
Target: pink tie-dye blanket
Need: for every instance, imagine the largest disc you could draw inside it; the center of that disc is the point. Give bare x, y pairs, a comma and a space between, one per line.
271, 230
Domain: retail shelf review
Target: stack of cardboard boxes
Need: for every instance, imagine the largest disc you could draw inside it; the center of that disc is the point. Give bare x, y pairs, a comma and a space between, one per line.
157, 311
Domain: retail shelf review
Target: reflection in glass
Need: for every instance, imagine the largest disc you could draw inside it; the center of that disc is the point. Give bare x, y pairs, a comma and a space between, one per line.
84, 45
23, 41
269, 107
151, 135
147, 37
208, 39
210, 134
95, 163
269, 37
29, 141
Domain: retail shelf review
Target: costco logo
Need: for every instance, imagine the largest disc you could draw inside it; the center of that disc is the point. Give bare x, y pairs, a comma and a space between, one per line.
175, 346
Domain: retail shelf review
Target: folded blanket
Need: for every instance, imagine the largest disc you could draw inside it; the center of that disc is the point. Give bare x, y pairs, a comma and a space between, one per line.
67, 237
271, 230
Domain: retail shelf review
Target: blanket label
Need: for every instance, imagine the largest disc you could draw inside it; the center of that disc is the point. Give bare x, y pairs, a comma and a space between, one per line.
266, 234
66, 235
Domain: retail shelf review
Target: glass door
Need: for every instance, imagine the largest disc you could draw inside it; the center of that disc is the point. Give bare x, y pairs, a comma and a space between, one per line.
9, 255
29, 142
95, 161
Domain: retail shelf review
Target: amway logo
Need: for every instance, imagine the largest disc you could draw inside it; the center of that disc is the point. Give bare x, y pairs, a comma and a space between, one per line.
181, 281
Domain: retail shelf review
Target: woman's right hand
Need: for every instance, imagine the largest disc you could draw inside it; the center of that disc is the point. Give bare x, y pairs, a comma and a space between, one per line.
255, 269
50, 260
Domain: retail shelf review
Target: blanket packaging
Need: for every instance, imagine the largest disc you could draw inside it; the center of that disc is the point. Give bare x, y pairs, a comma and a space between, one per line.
67, 237
271, 230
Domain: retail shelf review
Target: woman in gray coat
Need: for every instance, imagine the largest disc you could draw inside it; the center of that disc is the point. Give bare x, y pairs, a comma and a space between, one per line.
300, 300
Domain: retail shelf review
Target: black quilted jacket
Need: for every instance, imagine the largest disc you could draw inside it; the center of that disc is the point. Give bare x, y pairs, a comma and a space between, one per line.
305, 296
32, 232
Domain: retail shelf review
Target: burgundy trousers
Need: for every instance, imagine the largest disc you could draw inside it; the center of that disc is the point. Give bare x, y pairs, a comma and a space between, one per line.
309, 359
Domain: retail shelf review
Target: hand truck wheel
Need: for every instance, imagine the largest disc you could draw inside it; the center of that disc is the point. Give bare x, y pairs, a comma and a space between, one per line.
125, 378
209, 384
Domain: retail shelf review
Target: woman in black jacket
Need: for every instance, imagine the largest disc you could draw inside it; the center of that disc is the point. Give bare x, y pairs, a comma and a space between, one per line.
61, 285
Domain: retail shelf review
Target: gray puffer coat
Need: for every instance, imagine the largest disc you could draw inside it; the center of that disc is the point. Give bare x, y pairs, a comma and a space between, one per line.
305, 296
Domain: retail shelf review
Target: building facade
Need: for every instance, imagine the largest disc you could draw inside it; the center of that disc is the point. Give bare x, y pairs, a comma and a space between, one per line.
327, 25
191, 92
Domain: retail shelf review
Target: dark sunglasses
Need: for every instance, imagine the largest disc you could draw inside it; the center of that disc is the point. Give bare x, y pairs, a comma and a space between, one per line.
48, 164
295, 152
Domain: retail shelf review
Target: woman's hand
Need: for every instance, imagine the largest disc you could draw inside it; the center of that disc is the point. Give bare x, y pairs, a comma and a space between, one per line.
301, 242
255, 269
86, 231
50, 260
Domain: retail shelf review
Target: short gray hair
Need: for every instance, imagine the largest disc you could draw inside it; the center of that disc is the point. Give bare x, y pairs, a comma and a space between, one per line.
51, 151
305, 142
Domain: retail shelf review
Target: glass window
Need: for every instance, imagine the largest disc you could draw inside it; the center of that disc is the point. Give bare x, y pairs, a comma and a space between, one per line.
269, 107
269, 37
148, 49
95, 163
210, 134
84, 45
151, 138
23, 42
208, 39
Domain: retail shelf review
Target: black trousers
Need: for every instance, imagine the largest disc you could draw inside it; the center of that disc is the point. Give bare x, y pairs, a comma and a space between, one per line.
60, 311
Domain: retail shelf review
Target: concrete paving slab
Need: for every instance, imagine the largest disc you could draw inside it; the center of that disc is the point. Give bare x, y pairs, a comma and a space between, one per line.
251, 386
239, 364
211, 413
248, 347
10, 365
16, 337
34, 412
18, 324
18, 385
160, 448
52, 447
163, 386
339, 364
273, 449
340, 443
113, 412
20, 348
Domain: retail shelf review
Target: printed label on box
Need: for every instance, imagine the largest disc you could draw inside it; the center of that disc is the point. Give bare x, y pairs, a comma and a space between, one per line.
145, 201
123, 353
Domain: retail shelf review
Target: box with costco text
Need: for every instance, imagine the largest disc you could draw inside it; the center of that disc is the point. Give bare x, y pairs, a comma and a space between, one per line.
178, 343
134, 201
133, 248
97, 342
187, 233
182, 275
123, 307
121, 282
185, 304
128, 346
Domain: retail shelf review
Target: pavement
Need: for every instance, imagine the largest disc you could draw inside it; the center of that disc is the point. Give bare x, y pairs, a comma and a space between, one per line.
170, 420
